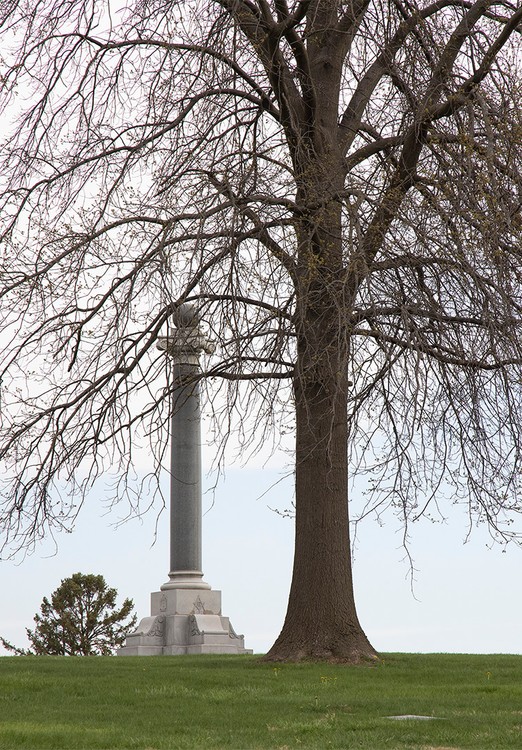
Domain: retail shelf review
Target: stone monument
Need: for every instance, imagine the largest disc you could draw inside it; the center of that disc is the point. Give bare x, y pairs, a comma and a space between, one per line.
186, 613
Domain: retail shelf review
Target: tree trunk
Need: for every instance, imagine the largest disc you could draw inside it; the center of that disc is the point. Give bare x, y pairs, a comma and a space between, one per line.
321, 621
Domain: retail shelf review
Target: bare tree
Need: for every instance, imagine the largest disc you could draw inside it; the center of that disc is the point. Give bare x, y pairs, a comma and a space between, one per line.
337, 185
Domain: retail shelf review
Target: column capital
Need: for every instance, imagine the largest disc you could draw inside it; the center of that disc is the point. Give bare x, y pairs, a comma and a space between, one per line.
187, 342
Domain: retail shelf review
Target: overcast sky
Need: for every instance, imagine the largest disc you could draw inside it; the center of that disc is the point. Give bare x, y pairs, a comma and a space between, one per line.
467, 597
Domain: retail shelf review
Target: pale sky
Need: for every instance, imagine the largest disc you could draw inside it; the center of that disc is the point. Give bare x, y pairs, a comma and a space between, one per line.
468, 598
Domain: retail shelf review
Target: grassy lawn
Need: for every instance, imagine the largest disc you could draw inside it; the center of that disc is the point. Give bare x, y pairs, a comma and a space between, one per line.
156, 703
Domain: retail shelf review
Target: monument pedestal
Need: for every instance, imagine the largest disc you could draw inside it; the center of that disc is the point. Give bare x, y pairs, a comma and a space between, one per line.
184, 621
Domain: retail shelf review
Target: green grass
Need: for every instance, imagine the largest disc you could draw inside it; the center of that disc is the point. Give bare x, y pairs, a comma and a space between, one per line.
160, 703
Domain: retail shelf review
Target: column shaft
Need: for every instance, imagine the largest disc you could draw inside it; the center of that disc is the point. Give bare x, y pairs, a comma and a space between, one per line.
185, 484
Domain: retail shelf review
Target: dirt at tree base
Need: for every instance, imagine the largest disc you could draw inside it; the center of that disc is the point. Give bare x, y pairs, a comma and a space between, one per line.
356, 656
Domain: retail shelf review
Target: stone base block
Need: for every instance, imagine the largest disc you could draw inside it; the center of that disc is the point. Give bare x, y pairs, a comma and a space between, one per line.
184, 621
140, 651
186, 602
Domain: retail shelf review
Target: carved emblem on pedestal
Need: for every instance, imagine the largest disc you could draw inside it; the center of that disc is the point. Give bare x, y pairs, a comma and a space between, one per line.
157, 626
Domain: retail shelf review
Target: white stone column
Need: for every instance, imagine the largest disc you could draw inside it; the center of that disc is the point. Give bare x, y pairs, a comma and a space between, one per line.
185, 346
186, 615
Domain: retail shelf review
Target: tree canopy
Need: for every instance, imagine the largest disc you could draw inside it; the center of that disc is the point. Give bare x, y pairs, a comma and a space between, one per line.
337, 186
81, 619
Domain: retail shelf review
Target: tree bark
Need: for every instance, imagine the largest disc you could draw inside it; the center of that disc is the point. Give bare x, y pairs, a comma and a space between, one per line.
321, 621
